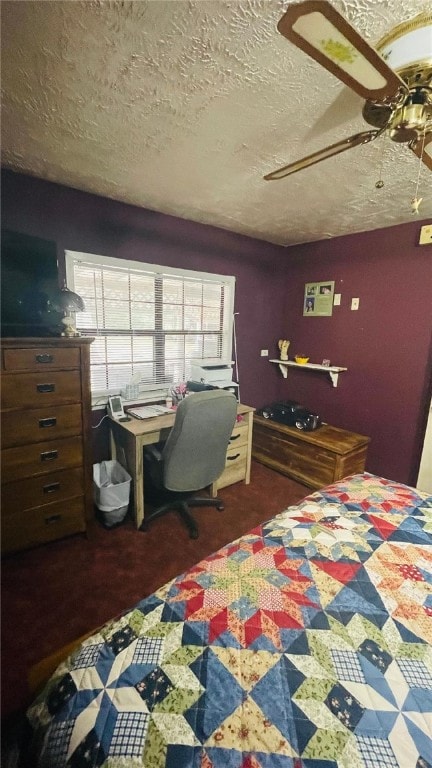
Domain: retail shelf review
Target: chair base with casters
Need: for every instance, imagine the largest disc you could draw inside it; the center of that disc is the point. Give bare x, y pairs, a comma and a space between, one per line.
182, 506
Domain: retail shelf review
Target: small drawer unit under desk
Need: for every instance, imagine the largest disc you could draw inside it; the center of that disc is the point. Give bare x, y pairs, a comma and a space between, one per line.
46, 484
238, 458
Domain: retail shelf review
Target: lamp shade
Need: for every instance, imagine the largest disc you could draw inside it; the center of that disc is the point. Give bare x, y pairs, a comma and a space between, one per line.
67, 301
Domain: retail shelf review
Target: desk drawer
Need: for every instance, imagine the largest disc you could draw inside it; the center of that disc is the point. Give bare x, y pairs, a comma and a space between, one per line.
37, 491
235, 466
38, 424
239, 435
41, 458
41, 358
53, 521
39, 390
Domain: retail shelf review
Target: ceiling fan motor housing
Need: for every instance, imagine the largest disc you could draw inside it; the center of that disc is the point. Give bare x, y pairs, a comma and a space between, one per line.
409, 122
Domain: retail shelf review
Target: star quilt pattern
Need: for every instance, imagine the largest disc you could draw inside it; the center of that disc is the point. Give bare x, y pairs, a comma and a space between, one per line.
306, 643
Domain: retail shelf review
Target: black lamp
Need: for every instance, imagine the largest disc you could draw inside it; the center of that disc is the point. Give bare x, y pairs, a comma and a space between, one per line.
68, 302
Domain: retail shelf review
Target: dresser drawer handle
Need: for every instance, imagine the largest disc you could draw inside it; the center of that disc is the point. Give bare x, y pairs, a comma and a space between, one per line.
44, 358
45, 387
234, 437
51, 488
233, 458
50, 422
52, 519
49, 455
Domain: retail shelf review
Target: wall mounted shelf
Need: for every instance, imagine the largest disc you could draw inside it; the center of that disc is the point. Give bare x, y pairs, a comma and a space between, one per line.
332, 370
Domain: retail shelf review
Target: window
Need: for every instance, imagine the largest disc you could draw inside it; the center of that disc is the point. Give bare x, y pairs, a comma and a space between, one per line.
149, 322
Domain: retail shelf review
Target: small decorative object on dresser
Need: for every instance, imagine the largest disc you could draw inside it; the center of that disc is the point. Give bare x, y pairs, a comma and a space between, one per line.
46, 481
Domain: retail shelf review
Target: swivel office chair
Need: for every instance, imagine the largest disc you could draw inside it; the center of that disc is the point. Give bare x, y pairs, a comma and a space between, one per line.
193, 456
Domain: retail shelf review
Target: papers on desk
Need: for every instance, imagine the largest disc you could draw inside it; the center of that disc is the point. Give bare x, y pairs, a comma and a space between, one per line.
147, 411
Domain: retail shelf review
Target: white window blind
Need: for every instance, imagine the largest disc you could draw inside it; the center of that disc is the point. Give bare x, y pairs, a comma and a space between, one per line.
149, 322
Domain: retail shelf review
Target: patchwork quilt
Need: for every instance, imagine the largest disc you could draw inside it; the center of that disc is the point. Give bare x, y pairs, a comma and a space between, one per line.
306, 643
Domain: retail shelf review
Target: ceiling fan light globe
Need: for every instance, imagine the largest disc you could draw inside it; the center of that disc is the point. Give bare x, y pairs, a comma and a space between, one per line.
409, 45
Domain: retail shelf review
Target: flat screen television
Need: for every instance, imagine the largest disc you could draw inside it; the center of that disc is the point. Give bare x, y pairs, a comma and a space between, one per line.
29, 278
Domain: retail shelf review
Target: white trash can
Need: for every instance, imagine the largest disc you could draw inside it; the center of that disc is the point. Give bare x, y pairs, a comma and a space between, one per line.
111, 491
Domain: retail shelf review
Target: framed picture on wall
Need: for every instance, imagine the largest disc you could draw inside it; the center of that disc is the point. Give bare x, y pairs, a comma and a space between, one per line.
318, 299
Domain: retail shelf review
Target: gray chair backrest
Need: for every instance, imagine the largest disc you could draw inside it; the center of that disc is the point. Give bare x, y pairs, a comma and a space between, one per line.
195, 453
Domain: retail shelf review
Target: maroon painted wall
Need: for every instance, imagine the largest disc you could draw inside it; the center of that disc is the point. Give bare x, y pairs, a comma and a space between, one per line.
386, 345
83, 222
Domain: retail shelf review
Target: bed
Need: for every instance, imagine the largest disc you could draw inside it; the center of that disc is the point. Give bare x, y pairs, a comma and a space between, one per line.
307, 643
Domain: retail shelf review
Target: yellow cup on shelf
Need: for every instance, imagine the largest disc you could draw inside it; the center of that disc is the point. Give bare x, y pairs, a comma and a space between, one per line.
301, 359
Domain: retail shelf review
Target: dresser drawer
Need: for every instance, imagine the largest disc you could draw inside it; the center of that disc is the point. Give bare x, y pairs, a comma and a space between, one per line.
40, 358
40, 424
41, 458
39, 390
44, 489
53, 521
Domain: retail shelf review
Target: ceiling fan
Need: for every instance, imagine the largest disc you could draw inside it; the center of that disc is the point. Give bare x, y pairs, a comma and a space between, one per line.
395, 79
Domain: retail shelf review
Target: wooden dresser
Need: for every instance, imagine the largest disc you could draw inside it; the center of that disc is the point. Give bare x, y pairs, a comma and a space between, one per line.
46, 479
313, 458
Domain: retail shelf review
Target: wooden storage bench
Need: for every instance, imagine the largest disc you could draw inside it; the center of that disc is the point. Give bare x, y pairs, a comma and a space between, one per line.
313, 458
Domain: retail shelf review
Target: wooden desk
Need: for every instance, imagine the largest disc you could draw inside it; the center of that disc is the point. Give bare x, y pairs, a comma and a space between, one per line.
129, 438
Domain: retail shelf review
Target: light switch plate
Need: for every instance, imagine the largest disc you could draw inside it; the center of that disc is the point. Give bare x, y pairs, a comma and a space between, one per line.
426, 235
355, 303
337, 299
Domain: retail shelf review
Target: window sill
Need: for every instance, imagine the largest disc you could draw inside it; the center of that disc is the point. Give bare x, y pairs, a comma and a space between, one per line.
100, 403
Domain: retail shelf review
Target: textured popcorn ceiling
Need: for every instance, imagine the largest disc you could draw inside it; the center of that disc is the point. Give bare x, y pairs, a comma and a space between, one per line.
182, 107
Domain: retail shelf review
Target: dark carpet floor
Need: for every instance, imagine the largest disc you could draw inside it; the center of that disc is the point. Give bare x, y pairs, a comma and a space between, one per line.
57, 592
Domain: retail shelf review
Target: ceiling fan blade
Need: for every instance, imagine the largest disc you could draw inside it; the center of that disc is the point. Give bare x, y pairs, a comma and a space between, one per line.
334, 149
345, 108
321, 32
423, 149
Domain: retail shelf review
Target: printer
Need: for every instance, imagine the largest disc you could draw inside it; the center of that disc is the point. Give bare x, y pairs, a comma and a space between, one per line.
213, 372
